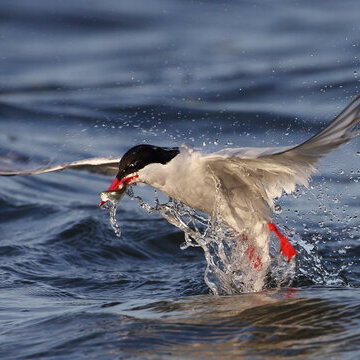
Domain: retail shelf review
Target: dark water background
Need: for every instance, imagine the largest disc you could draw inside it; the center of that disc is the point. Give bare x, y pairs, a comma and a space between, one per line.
92, 78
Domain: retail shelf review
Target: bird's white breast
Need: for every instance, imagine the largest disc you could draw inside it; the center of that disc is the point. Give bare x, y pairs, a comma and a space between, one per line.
184, 178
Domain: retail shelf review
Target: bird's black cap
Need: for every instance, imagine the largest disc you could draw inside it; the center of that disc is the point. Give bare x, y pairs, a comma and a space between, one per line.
140, 156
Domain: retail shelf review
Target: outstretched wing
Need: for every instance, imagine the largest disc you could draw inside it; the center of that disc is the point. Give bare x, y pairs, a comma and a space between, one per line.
105, 166
270, 171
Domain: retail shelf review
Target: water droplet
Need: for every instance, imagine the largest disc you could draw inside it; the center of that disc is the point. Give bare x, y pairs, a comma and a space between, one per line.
278, 209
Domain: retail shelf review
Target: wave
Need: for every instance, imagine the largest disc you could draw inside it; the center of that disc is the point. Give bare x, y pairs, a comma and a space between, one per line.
313, 323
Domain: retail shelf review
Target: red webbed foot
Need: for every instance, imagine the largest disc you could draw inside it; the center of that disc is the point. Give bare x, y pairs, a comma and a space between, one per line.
285, 246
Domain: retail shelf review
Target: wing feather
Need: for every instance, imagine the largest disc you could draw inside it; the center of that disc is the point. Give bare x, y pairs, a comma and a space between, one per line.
270, 171
100, 165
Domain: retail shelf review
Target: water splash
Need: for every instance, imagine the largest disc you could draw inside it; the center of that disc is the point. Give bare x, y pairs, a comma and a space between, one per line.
229, 268
111, 206
313, 268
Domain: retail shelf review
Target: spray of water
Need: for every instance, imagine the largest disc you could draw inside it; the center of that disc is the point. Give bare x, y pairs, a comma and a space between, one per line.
111, 206
229, 269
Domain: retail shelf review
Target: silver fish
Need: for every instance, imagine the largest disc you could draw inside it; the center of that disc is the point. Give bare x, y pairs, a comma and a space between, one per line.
113, 196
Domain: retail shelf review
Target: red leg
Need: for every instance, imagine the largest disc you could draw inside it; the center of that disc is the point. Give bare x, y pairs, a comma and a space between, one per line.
253, 257
285, 247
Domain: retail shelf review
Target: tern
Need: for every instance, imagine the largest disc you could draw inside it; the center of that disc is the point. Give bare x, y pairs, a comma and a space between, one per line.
241, 183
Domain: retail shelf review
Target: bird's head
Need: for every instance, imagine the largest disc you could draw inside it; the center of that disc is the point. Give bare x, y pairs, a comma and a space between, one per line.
137, 158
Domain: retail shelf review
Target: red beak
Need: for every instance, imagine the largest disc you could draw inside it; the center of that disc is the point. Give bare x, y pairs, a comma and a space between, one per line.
119, 184
115, 185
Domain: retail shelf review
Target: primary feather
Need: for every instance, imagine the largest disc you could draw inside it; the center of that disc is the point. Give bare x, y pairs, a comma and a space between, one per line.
100, 165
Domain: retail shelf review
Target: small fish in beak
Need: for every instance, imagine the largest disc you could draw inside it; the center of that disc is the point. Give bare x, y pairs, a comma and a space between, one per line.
111, 195
116, 190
